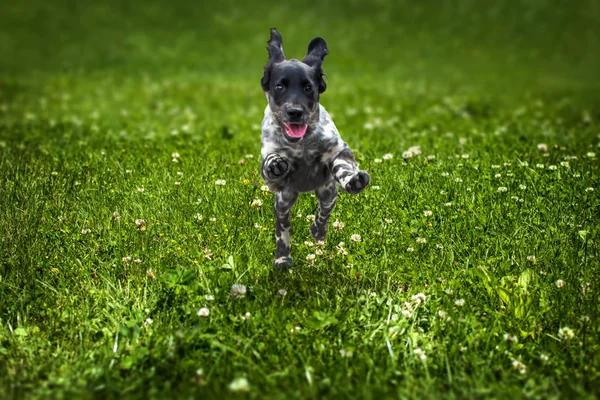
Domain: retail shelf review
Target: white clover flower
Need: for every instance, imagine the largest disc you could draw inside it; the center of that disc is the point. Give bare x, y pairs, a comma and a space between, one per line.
566, 333
590, 189
209, 297
458, 180
510, 338
150, 274
203, 312
126, 260
378, 160
85, 231
346, 353
439, 246
212, 219
128, 171
148, 321
220, 182
564, 164
502, 189
406, 313
388, 220
141, 190
522, 187
137, 261
442, 314
459, 302
238, 291
531, 259
207, 253
257, 225
341, 249
449, 204
495, 166
430, 157
560, 283
311, 258
419, 298
320, 243
239, 385
177, 183
497, 176
388, 156
264, 188
308, 243
420, 353
338, 226
552, 167
542, 147
445, 174
541, 166
174, 155
319, 252
375, 187
410, 250
428, 213
256, 203
544, 358
198, 217
416, 150
355, 237
421, 240
465, 156
282, 292
586, 287
591, 154
519, 366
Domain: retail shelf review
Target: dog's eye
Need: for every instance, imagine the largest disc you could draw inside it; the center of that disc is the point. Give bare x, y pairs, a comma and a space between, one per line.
308, 88
279, 88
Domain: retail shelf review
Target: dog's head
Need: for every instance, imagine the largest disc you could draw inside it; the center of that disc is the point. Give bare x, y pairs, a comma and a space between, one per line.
293, 87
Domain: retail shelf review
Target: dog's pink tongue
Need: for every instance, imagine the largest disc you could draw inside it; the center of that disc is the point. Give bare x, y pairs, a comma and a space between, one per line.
295, 130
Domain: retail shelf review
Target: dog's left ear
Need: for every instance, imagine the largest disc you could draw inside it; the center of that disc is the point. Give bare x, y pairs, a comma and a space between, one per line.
317, 50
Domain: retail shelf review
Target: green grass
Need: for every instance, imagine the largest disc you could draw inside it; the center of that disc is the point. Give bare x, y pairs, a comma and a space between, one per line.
96, 98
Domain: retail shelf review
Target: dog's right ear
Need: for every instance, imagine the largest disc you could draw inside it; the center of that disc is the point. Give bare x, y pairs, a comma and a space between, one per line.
275, 49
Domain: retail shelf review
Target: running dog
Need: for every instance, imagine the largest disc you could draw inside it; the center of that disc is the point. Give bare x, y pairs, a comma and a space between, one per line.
302, 150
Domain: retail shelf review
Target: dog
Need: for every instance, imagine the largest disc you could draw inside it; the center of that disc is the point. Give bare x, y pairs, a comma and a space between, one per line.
302, 150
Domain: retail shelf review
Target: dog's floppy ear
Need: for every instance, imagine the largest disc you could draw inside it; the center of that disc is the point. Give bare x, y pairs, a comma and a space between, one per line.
275, 49
317, 50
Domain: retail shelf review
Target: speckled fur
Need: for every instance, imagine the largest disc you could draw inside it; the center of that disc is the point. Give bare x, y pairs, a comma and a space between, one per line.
318, 162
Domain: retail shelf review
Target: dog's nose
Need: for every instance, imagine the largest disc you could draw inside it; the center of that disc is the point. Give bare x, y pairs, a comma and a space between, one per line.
294, 114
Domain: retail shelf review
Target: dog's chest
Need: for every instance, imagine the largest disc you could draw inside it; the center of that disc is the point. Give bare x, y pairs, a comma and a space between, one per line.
308, 170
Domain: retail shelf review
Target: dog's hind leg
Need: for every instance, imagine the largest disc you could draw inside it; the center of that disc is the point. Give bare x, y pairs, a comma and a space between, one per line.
327, 196
284, 201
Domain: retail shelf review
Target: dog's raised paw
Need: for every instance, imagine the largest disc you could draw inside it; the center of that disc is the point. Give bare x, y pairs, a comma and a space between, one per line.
358, 182
283, 263
278, 167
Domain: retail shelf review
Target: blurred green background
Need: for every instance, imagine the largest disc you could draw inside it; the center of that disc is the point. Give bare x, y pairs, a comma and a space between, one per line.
516, 46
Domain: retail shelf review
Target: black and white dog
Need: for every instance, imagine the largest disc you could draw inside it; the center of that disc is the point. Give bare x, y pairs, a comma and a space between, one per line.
301, 148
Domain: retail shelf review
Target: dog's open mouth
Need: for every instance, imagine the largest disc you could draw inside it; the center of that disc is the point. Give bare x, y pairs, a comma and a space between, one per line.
294, 131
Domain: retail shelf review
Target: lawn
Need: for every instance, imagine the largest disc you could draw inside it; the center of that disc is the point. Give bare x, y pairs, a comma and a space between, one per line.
136, 237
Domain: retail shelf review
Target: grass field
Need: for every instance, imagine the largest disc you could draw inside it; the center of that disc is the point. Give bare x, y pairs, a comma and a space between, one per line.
131, 203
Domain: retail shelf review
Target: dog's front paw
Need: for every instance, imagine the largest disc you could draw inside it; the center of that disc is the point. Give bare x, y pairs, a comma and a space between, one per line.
283, 263
277, 168
318, 232
358, 183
